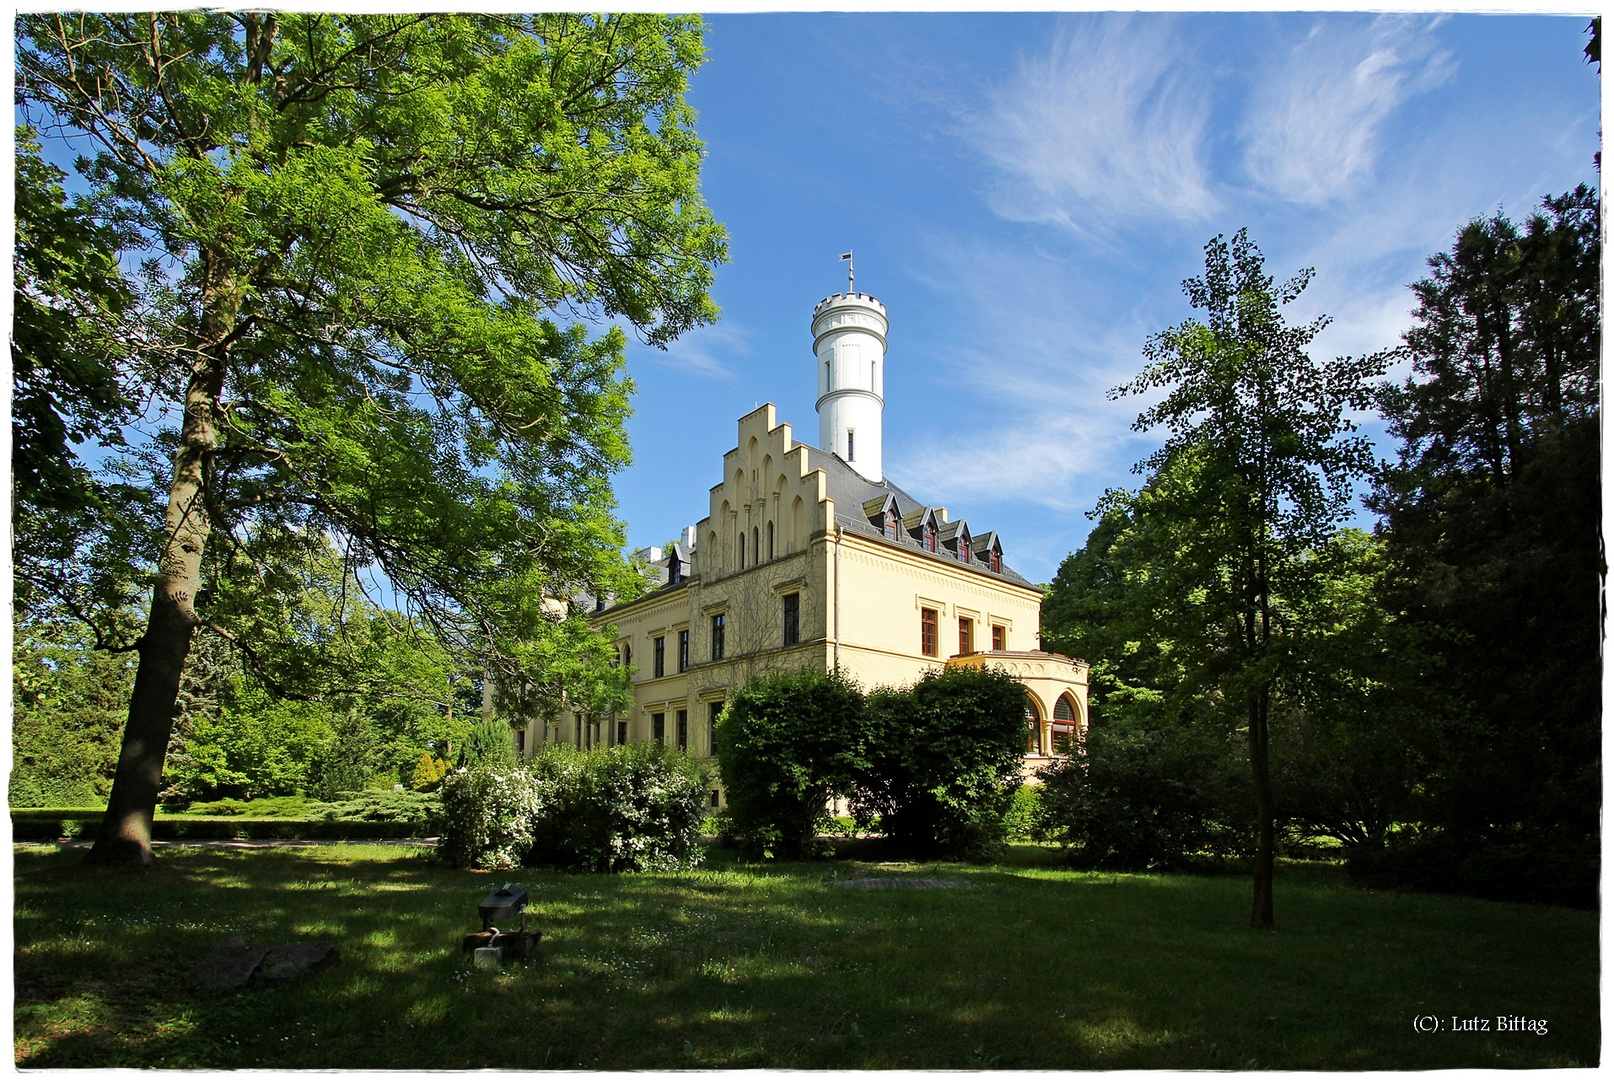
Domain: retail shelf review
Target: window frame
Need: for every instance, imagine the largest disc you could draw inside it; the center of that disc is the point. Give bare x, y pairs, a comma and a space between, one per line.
719, 635
1000, 638
683, 651
790, 605
658, 727
929, 631
966, 635
659, 651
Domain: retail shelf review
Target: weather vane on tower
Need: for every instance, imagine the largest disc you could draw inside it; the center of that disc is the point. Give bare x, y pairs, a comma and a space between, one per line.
847, 259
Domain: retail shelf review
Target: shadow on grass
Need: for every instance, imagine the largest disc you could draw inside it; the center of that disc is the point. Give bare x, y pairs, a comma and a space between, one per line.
1014, 966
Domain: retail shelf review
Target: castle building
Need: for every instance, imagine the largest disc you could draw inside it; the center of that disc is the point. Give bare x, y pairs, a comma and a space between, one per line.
810, 557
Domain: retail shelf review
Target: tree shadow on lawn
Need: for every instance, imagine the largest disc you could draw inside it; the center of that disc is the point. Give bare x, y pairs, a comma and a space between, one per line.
746, 966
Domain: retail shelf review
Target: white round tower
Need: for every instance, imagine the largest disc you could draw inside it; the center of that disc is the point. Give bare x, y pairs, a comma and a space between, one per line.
849, 340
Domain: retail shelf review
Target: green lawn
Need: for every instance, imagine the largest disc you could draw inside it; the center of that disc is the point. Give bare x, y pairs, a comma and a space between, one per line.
1020, 966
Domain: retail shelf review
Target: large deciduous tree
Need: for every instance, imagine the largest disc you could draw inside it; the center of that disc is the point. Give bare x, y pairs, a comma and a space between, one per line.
1255, 474
351, 233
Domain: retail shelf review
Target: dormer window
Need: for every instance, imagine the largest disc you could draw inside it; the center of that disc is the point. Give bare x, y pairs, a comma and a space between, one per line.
891, 524
675, 569
930, 537
963, 546
997, 561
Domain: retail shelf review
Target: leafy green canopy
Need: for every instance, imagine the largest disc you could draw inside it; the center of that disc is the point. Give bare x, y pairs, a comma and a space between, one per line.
1494, 546
944, 761
351, 230
1254, 476
786, 744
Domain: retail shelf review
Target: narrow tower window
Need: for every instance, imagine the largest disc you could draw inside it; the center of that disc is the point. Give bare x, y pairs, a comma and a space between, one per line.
850, 456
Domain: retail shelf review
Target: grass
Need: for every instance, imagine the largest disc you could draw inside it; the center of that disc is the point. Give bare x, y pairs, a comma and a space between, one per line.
1017, 966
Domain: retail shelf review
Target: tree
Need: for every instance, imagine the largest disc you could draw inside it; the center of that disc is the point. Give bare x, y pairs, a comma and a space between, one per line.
1492, 538
1255, 472
944, 760
786, 744
352, 228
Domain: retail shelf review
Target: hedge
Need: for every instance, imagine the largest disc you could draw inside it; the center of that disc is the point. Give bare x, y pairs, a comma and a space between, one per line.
47, 824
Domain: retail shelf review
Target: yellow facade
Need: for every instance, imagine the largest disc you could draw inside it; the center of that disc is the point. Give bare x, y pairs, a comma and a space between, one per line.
883, 610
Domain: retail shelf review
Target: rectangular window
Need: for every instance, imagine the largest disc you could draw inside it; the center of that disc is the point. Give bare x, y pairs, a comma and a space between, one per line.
712, 710
717, 636
660, 665
521, 744
683, 650
792, 618
849, 455
927, 631
966, 636
997, 639
683, 729
714, 800
658, 726
622, 733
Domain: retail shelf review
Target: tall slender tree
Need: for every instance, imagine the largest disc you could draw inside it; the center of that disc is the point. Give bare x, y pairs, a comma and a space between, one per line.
353, 233
1492, 532
1255, 472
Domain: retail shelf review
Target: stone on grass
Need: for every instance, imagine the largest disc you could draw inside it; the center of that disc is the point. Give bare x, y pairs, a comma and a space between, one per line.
299, 958
237, 962
228, 966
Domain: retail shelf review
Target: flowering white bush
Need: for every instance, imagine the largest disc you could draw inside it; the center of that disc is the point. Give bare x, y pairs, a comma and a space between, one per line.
488, 814
612, 809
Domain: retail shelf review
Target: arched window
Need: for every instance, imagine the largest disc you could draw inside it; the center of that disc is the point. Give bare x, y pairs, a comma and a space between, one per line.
756, 546
1064, 727
742, 549
963, 546
930, 536
770, 540
891, 524
1033, 726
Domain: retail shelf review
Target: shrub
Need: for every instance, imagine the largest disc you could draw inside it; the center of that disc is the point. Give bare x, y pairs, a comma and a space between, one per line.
944, 763
618, 808
786, 744
401, 806
428, 772
489, 744
488, 814
1137, 797
1024, 819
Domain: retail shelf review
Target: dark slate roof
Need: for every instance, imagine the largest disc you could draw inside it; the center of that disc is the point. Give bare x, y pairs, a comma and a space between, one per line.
853, 492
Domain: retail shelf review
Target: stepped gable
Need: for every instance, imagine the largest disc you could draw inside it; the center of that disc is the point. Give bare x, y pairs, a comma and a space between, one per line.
851, 492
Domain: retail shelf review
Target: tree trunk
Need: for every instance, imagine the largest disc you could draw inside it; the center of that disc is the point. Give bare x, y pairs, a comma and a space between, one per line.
126, 831
1261, 908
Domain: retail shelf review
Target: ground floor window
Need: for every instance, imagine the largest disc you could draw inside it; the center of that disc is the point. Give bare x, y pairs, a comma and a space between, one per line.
658, 726
712, 709
1064, 726
621, 732
683, 729
1033, 727
998, 636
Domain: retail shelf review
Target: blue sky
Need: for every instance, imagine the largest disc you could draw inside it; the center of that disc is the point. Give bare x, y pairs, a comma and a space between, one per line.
1026, 192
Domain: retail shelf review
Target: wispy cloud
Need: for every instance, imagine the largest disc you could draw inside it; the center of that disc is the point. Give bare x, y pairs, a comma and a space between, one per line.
703, 352
1102, 127
1034, 424
1313, 127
